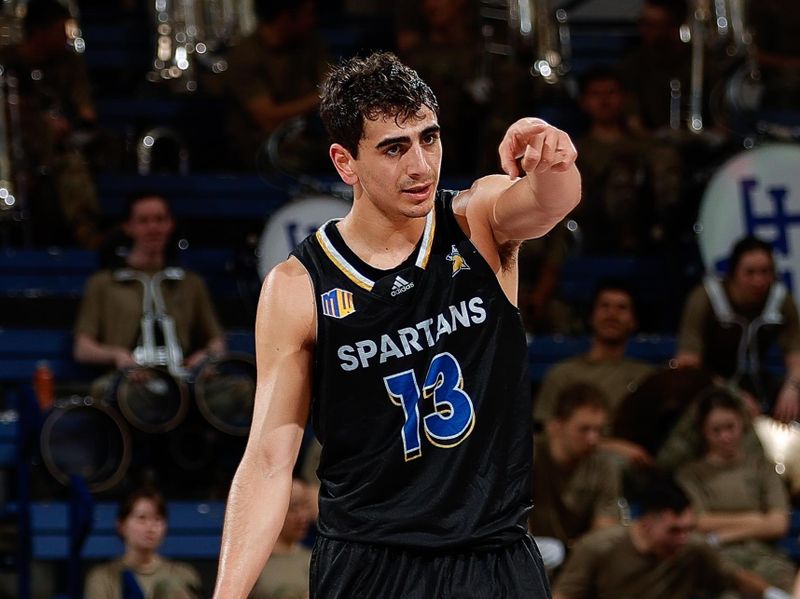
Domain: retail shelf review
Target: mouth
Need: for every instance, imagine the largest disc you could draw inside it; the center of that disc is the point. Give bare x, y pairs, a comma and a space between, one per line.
418, 192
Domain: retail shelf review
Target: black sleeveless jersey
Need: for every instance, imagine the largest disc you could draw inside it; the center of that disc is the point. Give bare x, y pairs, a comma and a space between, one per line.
421, 396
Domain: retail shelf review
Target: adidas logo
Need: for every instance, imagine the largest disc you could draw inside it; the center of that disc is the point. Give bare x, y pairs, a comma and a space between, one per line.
400, 285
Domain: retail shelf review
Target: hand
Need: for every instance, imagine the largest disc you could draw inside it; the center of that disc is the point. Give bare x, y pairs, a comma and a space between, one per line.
124, 359
634, 453
540, 147
787, 406
196, 358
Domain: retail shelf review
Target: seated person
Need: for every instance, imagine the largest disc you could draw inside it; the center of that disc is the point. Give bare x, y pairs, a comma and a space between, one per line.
740, 501
575, 486
729, 325
141, 571
55, 99
285, 576
656, 557
273, 74
631, 182
613, 321
108, 328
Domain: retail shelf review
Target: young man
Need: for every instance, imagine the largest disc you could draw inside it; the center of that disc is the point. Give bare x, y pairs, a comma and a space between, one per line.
575, 486
656, 557
613, 323
396, 327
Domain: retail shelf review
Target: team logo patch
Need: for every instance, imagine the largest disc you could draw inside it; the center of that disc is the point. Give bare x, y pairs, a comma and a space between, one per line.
458, 261
400, 285
337, 303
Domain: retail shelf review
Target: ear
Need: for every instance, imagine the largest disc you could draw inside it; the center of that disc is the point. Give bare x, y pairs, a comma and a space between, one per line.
343, 162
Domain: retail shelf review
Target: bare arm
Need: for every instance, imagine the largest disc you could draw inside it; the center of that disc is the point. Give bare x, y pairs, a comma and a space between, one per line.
787, 406
87, 350
731, 527
259, 496
503, 209
526, 203
269, 114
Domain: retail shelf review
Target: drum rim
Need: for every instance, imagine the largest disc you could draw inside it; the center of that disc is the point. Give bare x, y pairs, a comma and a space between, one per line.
165, 427
202, 405
122, 426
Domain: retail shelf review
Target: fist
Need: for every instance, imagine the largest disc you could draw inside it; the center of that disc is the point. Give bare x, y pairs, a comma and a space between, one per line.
536, 147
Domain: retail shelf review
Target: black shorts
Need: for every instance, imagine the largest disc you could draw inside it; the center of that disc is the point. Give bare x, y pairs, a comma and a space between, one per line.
346, 570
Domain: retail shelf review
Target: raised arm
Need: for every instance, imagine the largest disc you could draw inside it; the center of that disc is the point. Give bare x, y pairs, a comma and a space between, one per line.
259, 496
540, 187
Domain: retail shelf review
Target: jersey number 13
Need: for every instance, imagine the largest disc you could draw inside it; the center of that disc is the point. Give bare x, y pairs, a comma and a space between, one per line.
451, 416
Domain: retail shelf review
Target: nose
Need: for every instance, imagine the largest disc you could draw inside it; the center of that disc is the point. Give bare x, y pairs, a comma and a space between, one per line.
416, 164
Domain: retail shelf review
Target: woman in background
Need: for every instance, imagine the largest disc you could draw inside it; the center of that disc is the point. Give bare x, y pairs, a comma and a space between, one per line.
141, 573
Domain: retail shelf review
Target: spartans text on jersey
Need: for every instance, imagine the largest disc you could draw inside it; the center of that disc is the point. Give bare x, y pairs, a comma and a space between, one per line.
412, 339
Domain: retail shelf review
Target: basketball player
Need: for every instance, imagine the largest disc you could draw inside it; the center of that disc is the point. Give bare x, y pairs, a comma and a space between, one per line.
396, 327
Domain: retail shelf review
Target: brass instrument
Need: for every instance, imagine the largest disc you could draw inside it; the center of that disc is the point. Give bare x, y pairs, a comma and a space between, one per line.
719, 27
532, 26
192, 33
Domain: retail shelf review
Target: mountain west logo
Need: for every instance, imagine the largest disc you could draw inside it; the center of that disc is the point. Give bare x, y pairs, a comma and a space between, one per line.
459, 263
337, 303
400, 285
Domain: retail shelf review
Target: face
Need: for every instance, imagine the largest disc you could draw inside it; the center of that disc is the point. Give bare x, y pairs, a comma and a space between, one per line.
753, 276
397, 169
656, 26
52, 40
722, 431
144, 528
579, 434
613, 319
150, 225
603, 100
667, 531
440, 13
298, 517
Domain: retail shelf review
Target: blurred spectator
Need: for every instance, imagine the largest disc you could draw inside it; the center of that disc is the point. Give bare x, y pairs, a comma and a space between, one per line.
630, 181
740, 501
729, 325
613, 321
774, 24
540, 261
141, 571
575, 486
656, 557
55, 100
273, 74
108, 329
285, 575
661, 57
443, 44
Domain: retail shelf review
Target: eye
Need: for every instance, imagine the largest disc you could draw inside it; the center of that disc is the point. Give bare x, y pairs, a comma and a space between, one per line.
430, 138
393, 150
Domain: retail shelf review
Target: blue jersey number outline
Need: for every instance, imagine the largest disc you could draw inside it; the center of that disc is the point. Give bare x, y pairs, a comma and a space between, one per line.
453, 416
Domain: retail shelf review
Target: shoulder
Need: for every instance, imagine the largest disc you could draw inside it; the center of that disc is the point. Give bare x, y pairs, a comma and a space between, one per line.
181, 570
101, 572
286, 302
600, 542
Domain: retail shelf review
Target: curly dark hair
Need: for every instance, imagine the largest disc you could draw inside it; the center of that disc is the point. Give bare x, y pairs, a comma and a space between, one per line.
369, 88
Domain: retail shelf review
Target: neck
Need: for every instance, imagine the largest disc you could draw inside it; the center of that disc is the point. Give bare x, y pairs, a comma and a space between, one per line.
271, 35
639, 538
557, 452
380, 241
606, 350
144, 260
608, 132
140, 559
722, 459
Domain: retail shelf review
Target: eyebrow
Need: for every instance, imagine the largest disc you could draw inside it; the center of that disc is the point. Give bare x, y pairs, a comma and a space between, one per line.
389, 141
